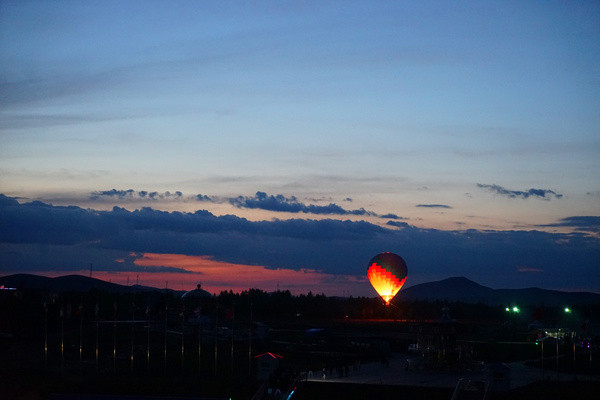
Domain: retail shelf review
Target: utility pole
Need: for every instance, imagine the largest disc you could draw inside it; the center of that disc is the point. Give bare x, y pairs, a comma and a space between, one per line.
182, 336
148, 338
200, 344
115, 338
232, 333
216, 338
45, 335
97, 312
81, 336
62, 338
132, 330
543, 358
166, 321
557, 376
250, 342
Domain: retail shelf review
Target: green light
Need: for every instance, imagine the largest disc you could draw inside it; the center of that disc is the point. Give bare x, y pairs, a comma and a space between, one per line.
567, 310
516, 309
507, 309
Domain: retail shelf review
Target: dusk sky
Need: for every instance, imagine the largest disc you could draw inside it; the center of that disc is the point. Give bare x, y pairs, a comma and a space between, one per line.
282, 144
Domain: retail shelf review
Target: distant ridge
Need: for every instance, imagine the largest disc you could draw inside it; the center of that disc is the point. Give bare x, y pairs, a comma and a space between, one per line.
467, 291
450, 289
66, 283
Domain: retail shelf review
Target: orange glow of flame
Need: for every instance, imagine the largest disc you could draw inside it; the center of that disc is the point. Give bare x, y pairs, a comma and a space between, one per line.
384, 282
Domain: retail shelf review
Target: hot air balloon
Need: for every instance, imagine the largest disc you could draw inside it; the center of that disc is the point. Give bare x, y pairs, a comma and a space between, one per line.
387, 273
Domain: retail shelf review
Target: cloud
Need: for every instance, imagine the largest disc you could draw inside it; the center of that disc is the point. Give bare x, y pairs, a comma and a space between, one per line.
580, 223
398, 224
113, 193
39, 236
280, 203
433, 205
391, 216
6, 201
319, 199
131, 194
261, 200
24, 257
545, 194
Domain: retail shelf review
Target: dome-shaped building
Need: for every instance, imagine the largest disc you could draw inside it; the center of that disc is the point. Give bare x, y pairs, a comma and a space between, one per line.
197, 303
197, 294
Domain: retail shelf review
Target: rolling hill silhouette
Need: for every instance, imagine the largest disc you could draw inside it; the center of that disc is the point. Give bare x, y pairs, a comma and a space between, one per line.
465, 290
450, 289
76, 283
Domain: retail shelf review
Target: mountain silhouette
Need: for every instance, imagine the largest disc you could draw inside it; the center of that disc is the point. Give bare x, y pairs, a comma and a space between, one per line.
66, 283
450, 289
467, 291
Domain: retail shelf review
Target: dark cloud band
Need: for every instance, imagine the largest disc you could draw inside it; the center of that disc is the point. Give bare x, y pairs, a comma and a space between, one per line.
333, 246
433, 206
280, 203
545, 194
580, 223
131, 194
261, 201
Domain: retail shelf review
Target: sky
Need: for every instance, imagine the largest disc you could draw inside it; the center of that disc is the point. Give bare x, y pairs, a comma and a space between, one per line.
282, 144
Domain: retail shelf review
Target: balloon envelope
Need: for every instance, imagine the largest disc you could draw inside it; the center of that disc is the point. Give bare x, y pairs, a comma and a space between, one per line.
387, 273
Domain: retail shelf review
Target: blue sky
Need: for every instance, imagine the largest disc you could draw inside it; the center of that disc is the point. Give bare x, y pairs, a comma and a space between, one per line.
450, 116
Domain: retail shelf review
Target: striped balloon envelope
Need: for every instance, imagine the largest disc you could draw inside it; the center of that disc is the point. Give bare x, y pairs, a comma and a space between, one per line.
387, 273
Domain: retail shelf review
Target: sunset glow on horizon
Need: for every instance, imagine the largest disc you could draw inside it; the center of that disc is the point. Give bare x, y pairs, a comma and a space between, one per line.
215, 276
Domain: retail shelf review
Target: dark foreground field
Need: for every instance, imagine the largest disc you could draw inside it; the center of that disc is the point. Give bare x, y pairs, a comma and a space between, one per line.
538, 390
22, 386
158, 345
26, 386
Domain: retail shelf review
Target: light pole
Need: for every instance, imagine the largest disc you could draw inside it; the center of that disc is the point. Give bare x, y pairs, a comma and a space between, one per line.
182, 336
568, 310
96, 312
543, 358
45, 335
574, 365
557, 377
115, 338
62, 338
81, 336
216, 337
132, 332
148, 338
232, 335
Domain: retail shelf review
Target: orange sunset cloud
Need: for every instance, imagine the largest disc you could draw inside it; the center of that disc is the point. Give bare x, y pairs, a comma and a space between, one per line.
216, 276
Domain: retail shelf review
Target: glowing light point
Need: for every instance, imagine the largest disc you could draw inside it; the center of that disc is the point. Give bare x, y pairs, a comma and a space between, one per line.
507, 309
516, 309
567, 310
